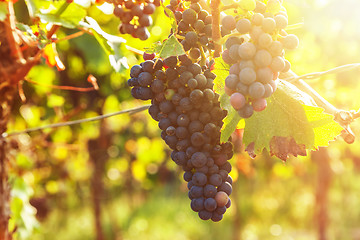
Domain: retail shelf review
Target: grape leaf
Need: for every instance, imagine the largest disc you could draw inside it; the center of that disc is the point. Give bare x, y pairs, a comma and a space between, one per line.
171, 47
221, 70
69, 18
230, 123
112, 45
290, 113
3, 10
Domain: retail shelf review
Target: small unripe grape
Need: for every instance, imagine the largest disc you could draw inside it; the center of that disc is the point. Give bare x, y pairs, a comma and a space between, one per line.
189, 16
259, 104
247, 51
268, 25
265, 40
237, 101
246, 112
291, 41
231, 81
262, 58
256, 90
276, 48
256, 32
277, 64
247, 76
243, 26
228, 22
268, 90
257, 19
287, 66
264, 75
281, 21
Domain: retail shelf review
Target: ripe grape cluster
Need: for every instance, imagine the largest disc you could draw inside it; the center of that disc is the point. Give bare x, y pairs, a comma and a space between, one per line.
194, 27
256, 55
135, 16
189, 114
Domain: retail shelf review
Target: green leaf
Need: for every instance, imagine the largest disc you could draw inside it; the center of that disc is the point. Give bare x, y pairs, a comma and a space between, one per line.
112, 45
69, 18
287, 116
171, 47
3, 10
230, 123
221, 70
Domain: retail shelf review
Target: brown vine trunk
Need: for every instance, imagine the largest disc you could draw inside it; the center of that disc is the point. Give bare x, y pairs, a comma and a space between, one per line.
322, 159
14, 66
98, 155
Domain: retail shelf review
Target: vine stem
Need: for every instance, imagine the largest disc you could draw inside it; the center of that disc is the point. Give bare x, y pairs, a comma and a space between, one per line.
344, 118
69, 123
216, 33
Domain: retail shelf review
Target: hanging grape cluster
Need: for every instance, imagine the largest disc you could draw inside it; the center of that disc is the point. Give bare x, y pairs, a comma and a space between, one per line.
194, 27
135, 16
190, 117
256, 55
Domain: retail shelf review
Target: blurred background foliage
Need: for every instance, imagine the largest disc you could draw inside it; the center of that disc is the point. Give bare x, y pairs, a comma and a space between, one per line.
123, 164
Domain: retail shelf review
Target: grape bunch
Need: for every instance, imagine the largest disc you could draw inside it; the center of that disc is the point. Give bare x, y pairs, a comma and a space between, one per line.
256, 55
135, 16
189, 114
194, 27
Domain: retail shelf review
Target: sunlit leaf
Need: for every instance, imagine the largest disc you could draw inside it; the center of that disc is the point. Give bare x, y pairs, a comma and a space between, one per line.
70, 18
287, 116
171, 47
3, 10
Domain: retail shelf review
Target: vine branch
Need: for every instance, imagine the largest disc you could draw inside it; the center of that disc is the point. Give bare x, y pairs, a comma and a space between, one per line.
343, 117
69, 123
314, 75
216, 33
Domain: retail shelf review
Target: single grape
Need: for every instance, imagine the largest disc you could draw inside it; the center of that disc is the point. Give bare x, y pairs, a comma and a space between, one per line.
264, 75
198, 159
237, 101
291, 41
246, 112
189, 16
256, 90
259, 104
287, 66
247, 51
221, 198
197, 204
231, 81
225, 187
281, 21
243, 26
191, 38
268, 90
210, 204
228, 22
257, 19
199, 179
247, 76
205, 215
265, 40
210, 191
242, 88
276, 48
262, 58
195, 53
